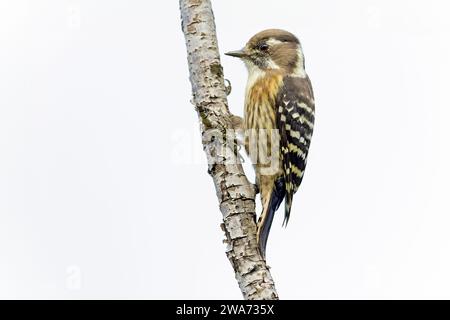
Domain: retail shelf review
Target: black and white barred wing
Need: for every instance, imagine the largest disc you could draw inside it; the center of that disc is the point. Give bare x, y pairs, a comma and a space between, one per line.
295, 120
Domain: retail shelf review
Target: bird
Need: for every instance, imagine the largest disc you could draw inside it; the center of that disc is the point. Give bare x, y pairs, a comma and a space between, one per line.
278, 122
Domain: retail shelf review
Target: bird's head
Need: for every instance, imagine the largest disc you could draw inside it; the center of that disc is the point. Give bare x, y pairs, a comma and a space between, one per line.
272, 49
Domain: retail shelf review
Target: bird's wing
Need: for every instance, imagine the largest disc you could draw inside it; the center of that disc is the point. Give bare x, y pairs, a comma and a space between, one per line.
295, 121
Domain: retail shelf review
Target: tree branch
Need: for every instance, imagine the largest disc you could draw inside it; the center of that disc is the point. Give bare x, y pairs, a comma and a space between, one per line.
235, 193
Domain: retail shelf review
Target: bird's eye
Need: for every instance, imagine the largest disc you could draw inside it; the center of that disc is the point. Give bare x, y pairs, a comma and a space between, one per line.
263, 47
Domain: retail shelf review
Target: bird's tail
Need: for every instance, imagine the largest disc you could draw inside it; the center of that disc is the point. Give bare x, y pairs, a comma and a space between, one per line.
266, 218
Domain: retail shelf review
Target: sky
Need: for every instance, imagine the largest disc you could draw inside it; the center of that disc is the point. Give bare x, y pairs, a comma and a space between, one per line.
104, 191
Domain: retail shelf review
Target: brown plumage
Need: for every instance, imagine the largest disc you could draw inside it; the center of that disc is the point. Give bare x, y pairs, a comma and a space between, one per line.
278, 119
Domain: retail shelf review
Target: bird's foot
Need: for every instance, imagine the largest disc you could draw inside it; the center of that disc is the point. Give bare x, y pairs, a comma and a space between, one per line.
237, 123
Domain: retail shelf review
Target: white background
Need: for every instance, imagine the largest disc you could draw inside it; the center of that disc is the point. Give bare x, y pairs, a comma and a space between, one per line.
103, 187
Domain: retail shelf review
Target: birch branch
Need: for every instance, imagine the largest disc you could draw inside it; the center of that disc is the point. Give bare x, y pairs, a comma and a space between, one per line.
235, 193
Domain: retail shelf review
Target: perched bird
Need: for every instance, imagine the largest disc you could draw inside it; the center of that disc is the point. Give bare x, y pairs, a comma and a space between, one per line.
278, 120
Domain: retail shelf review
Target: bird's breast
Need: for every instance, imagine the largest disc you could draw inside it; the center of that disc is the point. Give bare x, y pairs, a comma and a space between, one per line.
260, 98
261, 134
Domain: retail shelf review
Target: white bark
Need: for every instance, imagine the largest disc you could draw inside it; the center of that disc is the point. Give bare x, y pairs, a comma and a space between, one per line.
235, 193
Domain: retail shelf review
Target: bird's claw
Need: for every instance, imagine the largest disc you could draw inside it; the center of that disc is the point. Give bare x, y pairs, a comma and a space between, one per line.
227, 87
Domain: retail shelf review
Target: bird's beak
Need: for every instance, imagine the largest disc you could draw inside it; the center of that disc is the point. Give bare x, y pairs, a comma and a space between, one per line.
238, 53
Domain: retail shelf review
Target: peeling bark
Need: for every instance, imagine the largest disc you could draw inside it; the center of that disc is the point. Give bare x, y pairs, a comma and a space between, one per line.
235, 193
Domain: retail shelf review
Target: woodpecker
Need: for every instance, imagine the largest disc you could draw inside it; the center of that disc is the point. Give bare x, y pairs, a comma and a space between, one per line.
278, 120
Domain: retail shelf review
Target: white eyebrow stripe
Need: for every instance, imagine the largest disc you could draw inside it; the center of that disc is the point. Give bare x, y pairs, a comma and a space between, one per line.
272, 42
